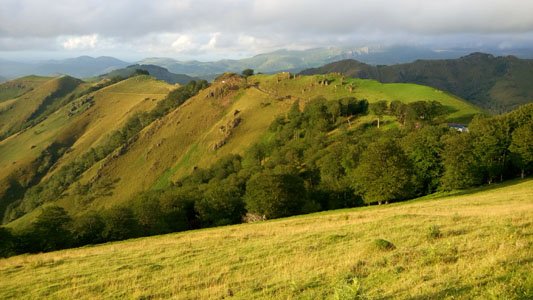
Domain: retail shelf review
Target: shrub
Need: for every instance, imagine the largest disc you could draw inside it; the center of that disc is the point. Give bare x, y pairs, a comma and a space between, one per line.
383, 245
433, 232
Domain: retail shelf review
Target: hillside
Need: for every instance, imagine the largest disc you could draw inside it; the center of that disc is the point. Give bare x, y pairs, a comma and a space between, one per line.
191, 137
159, 73
34, 98
78, 125
497, 84
471, 244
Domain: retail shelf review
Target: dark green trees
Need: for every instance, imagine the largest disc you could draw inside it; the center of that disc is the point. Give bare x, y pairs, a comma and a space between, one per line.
275, 195
384, 173
7, 243
522, 147
221, 204
247, 72
461, 169
50, 229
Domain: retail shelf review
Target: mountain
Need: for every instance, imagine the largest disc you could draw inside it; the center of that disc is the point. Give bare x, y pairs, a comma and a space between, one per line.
497, 84
3, 79
83, 66
297, 60
155, 71
88, 154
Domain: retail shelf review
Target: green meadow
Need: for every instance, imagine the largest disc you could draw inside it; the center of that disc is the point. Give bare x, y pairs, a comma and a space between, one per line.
472, 244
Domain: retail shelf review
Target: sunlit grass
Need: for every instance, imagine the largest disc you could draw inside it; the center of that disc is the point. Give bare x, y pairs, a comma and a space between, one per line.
483, 250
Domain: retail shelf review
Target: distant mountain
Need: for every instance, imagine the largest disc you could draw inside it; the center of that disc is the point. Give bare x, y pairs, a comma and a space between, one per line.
497, 84
156, 71
83, 66
2, 79
296, 60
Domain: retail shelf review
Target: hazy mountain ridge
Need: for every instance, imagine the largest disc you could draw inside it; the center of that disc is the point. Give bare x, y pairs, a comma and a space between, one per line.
81, 67
495, 83
155, 71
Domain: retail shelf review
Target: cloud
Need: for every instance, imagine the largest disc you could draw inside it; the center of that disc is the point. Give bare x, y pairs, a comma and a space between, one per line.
80, 42
227, 27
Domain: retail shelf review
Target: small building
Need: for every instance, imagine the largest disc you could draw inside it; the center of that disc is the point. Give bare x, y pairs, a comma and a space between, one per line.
459, 127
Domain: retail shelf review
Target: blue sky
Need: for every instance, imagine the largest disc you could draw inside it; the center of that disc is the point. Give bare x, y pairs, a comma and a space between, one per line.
214, 29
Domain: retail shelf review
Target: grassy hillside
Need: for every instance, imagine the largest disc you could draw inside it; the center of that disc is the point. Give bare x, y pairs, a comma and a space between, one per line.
497, 84
469, 244
15, 88
35, 99
81, 124
173, 146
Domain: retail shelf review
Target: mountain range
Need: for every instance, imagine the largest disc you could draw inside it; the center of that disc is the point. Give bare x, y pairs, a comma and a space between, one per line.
497, 84
280, 60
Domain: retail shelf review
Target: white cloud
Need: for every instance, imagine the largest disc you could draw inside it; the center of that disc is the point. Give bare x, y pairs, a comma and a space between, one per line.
80, 42
182, 44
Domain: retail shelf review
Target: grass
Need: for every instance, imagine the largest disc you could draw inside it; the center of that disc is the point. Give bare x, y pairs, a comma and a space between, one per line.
483, 250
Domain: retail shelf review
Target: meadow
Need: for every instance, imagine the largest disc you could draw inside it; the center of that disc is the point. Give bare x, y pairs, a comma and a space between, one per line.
462, 245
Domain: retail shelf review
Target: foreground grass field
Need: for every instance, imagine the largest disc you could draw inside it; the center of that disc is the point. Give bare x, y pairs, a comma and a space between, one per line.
474, 244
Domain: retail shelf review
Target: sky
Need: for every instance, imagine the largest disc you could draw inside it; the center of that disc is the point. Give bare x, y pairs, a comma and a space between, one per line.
216, 29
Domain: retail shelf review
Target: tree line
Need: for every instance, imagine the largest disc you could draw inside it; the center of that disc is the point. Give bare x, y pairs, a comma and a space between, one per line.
314, 159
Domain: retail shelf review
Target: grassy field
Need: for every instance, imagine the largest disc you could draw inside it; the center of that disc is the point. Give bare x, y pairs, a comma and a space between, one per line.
471, 244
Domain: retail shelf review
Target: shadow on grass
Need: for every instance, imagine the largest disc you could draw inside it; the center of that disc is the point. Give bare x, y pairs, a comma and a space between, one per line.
469, 191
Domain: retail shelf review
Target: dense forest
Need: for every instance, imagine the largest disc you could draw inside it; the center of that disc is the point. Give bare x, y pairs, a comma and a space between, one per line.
311, 159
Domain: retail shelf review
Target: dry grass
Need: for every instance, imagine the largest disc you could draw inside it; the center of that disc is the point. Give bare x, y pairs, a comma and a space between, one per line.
483, 250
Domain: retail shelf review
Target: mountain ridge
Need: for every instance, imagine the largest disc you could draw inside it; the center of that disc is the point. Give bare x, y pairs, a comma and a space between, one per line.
495, 83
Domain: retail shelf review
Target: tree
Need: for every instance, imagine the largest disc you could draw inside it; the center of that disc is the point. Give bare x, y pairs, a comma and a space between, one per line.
522, 147
120, 224
383, 173
378, 108
221, 204
275, 195
461, 168
491, 138
424, 148
7, 243
148, 213
87, 229
50, 229
247, 72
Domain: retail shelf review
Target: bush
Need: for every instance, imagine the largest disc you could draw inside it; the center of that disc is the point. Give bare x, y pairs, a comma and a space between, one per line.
384, 245
433, 232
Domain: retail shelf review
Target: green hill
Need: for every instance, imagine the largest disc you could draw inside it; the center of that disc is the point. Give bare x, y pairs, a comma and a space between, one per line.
171, 147
471, 244
79, 124
497, 84
34, 98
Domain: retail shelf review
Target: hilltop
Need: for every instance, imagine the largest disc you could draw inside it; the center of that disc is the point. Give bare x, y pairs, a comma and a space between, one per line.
497, 84
471, 244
